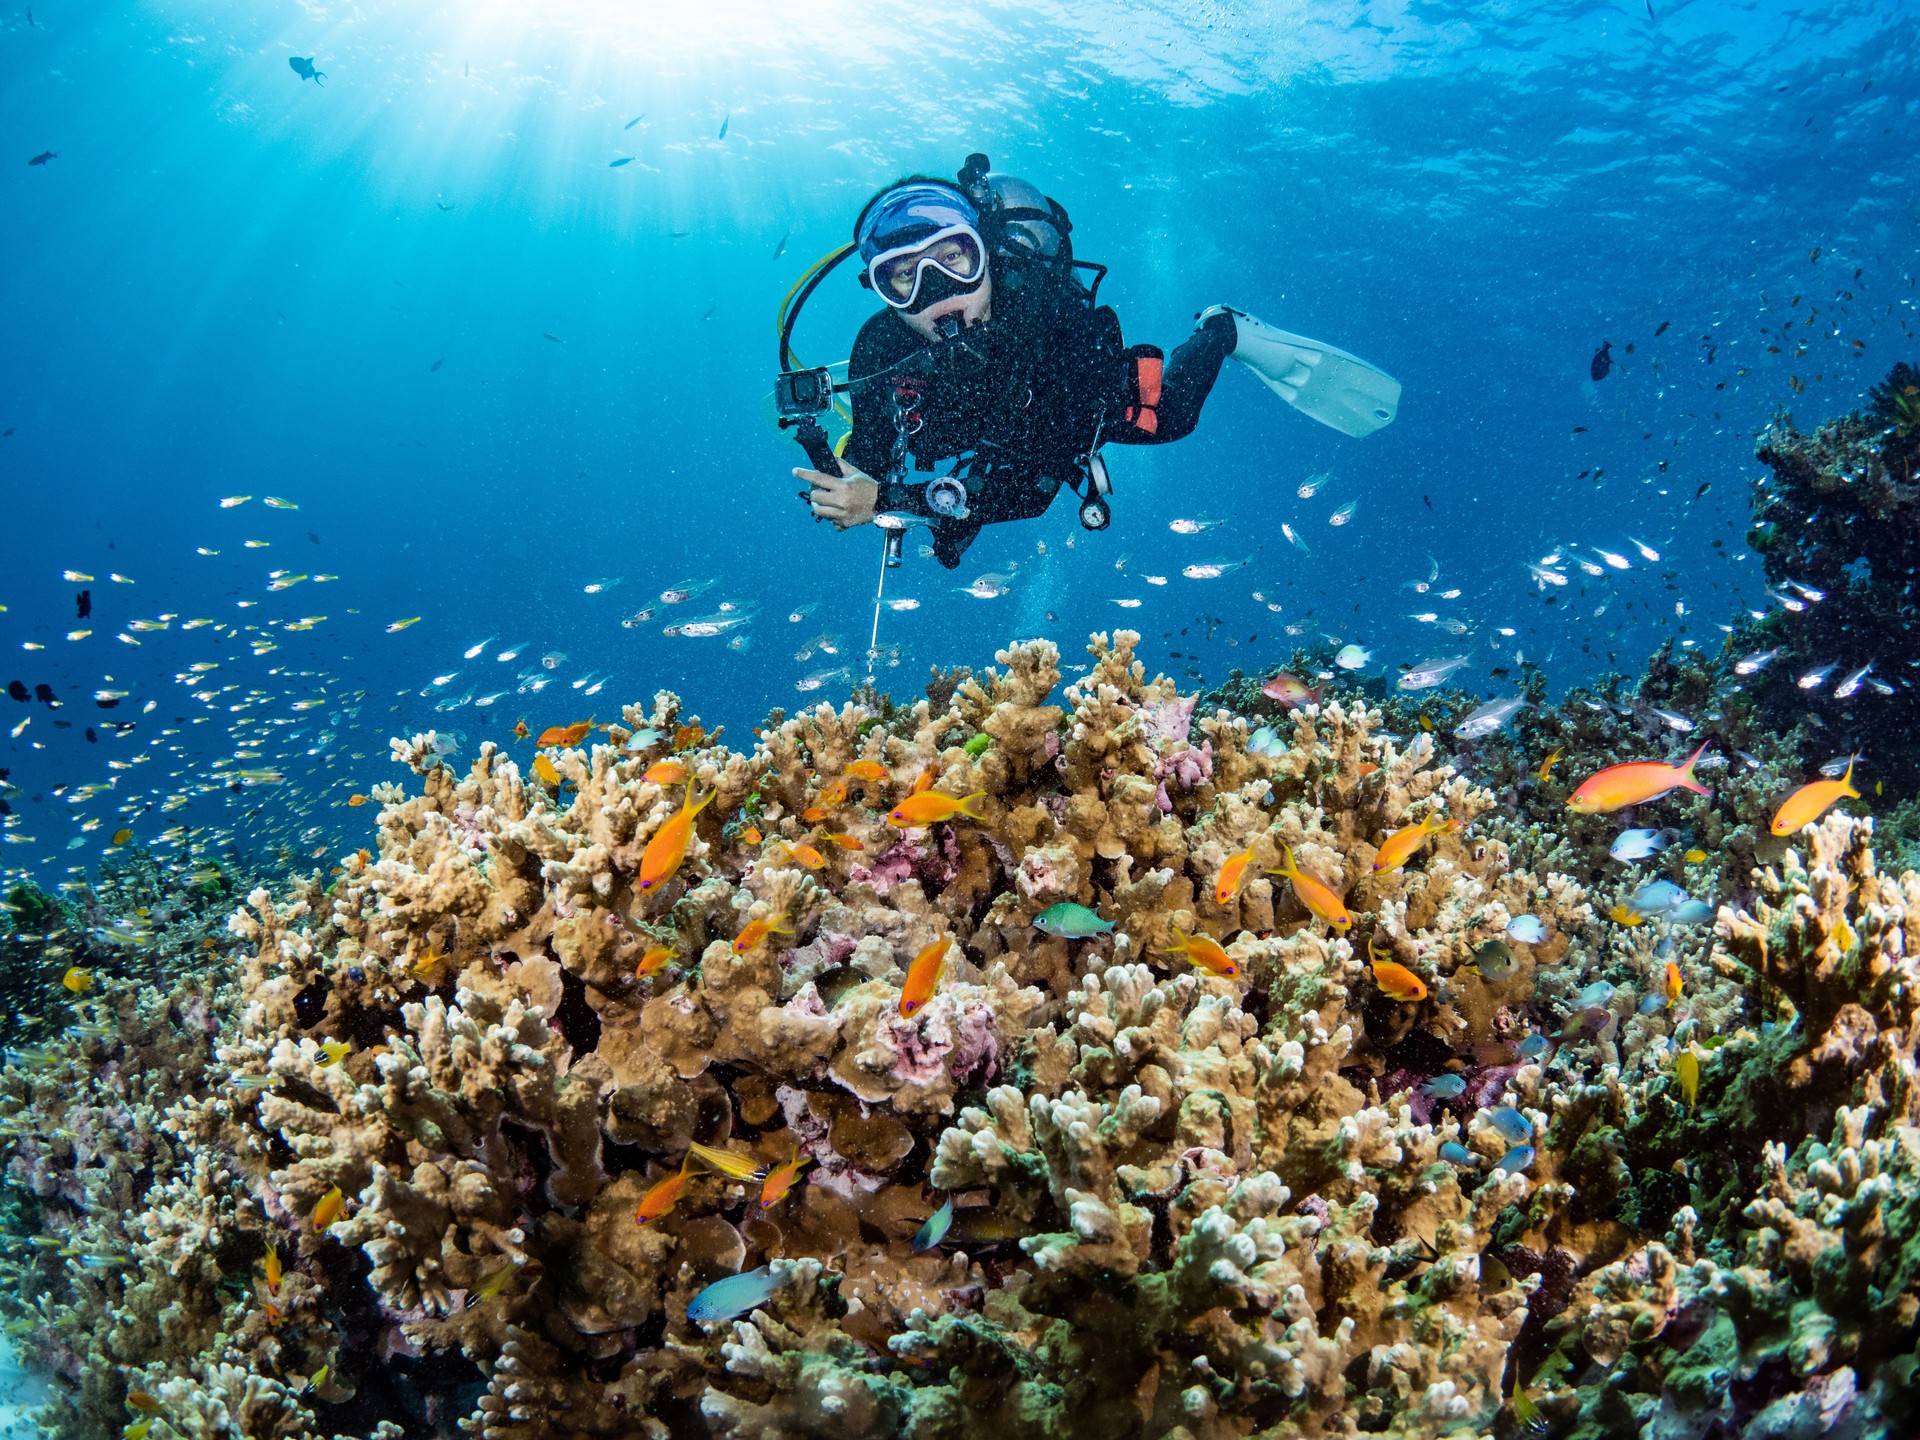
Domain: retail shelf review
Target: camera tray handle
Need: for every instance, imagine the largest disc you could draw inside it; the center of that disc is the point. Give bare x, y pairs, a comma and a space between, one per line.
813, 439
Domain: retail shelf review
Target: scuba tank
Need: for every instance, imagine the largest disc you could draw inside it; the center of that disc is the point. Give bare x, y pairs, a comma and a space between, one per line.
1029, 232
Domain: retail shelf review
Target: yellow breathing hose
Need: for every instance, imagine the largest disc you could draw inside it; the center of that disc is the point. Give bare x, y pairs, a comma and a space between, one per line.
832, 257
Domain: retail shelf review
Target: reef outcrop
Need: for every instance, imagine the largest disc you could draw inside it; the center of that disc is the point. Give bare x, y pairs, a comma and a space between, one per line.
1835, 525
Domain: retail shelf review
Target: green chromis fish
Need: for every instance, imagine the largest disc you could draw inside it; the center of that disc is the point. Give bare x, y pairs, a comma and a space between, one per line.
977, 746
1492, 961
935, 1230
1070, 921
733, 1297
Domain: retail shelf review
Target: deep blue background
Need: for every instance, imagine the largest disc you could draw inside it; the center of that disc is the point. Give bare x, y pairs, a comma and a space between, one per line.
232, 281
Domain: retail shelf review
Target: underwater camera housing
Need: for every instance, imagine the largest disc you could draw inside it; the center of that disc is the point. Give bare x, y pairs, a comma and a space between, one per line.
798, 393
799, 396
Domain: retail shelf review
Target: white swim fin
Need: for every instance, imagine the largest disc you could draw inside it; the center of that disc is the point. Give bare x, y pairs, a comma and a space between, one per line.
1317, 379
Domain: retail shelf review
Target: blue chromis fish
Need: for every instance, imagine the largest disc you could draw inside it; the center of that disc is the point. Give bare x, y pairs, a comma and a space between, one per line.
1690, 912
935, 1230
1515, 1160
1445, 1087
1512, 1126
1658, 898
1070, 921
1641, 844
1454, 1153
1531, 1048
1527, 929
734, 1296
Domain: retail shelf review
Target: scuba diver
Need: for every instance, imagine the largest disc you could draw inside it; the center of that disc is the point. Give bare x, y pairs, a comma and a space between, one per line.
992, 375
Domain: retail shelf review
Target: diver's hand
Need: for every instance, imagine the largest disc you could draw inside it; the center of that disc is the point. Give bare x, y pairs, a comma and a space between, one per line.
847, 500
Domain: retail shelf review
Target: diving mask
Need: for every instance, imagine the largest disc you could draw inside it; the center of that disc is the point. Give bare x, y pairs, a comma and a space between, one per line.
911, 277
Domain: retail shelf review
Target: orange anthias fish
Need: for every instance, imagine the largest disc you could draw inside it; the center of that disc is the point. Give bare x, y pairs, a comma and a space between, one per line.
830, 798
328, 1209
1291, 691
520, 729
923, 783
665, 1195
807, 856
668, 847
1673, 981
1810, 802
356, 801
273, 1271
1397, 982
923, 976
1545, 772
564, 734
846, 842
665, 772
780, 1181
871, 770
1319, 897
1206, 954
930, 807
1399, 847
1635, 783
754, 933
1232, 872
543, 771
653, 961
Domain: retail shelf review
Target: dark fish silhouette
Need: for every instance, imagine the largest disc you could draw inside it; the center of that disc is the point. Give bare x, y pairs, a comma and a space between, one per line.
623, 160
634, 121
555, 338
43, 692
724, 123
441, 205
781, 248
437, 364
1661, 329
1602, 360
7, 434
18, 690
44, 156
303, 67
83, 603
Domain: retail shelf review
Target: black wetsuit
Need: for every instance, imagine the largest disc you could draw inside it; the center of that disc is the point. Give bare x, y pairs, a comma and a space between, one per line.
1022, 397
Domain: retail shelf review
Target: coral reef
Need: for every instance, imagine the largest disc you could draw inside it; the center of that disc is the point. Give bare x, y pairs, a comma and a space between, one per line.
450, 1141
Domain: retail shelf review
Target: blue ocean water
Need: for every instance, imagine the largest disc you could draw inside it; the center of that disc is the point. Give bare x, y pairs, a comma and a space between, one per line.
492, 305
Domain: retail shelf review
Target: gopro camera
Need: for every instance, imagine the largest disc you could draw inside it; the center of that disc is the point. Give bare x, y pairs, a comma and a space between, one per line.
803, 392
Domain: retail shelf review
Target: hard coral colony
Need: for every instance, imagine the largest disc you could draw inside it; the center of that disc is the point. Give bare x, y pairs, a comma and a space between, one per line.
926, 1167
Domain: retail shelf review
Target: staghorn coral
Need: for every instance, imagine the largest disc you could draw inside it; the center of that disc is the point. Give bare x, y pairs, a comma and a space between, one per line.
1185, 1204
